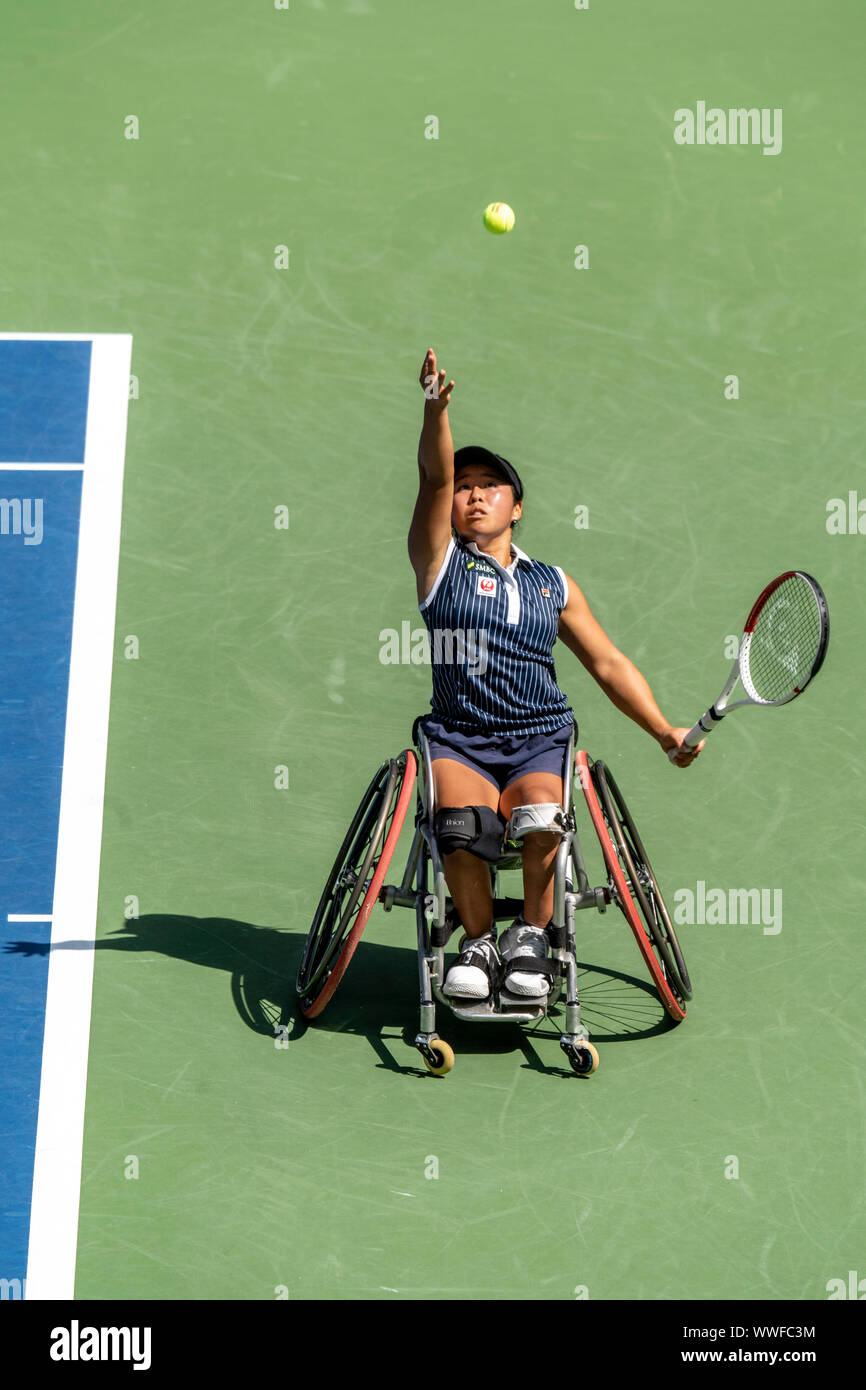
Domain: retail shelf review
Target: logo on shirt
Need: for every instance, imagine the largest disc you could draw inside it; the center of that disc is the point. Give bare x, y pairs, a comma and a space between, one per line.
486, 584
545, 593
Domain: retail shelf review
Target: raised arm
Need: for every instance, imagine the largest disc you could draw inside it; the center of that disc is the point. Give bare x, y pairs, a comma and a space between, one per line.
618, 677
430, 531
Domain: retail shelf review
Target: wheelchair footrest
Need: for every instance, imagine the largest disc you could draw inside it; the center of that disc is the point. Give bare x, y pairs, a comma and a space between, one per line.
487, 1010
510, 1003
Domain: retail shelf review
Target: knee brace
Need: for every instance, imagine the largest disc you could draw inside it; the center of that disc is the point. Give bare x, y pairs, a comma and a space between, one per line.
545, 816
478, 829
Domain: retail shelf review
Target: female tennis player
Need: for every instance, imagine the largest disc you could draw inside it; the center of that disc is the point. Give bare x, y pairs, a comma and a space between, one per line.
499, 723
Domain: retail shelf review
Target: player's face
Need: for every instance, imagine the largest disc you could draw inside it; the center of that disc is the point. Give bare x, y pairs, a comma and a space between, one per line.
484, 502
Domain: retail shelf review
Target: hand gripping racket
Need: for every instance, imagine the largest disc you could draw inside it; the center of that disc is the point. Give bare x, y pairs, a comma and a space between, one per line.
783, 646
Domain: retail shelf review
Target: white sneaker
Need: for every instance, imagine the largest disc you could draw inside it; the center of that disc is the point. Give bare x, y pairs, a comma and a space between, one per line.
476, 969
524, 942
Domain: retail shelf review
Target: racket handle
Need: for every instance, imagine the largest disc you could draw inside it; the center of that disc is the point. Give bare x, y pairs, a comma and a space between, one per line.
704, 726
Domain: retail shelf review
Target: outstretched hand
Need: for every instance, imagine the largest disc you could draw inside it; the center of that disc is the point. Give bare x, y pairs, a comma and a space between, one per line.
433, 381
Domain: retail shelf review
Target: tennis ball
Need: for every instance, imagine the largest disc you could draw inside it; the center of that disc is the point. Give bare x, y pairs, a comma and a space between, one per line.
498, 217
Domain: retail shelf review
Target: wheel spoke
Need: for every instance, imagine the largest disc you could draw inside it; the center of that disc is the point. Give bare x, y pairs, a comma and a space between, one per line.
644, 889
630, 874
354, 882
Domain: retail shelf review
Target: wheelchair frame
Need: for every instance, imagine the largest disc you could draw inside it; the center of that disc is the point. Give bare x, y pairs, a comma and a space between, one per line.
356, 883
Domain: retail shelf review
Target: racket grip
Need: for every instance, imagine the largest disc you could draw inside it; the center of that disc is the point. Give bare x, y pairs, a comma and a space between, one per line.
696, 733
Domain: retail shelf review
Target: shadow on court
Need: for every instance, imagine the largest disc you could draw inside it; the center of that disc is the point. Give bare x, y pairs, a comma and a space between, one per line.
377, 999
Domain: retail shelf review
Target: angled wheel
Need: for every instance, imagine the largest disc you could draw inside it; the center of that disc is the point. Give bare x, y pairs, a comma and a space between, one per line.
444, 1057
634, 886
354, 882
583, 1057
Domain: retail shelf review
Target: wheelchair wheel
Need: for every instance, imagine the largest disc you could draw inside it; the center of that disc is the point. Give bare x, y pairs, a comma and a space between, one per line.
445, 1057
635, 887
354, 882
582, 1057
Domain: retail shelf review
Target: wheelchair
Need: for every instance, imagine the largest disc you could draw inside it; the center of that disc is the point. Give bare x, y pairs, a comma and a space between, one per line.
357, 882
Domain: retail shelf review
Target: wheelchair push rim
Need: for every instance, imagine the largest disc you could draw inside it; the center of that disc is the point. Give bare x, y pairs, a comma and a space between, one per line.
635, 887
354, 882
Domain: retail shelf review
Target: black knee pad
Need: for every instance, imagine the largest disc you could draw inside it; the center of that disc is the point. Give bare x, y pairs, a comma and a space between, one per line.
478, 829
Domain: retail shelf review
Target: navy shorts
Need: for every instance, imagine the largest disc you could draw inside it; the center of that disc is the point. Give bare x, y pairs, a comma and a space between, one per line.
498, 757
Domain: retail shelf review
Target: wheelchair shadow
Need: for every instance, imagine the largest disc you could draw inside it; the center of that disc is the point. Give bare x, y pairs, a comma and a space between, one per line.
261, 962
377, 999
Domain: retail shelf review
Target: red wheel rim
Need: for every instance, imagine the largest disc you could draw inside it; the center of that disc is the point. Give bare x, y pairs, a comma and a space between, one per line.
372, 893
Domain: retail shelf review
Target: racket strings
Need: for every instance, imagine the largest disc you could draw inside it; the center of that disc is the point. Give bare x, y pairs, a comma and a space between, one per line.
785, 641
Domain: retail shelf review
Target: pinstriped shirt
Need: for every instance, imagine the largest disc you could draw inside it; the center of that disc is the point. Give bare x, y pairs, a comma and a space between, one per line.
491, 633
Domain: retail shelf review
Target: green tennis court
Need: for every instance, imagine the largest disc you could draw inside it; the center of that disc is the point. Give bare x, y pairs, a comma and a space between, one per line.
283, 207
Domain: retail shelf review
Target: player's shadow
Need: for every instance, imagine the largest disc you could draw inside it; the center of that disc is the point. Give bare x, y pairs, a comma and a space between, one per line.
378, 997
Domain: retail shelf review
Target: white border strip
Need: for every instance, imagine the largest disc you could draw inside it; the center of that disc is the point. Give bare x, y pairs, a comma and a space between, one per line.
60, 1131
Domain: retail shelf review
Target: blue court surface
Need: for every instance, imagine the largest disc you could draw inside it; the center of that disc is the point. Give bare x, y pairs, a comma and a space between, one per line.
53, 424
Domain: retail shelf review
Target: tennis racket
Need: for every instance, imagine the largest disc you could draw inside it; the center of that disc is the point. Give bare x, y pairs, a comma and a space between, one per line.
783, 647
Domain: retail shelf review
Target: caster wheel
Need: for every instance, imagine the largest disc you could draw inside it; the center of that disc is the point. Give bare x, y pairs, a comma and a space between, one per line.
445, 1053
583, 1058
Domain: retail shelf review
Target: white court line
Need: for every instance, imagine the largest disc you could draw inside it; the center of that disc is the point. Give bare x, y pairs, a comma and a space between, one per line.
41, 467
27, 917
60, 1130
59, 337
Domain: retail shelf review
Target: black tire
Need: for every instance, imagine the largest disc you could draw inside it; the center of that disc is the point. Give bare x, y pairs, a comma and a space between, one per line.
353, 883
642, 881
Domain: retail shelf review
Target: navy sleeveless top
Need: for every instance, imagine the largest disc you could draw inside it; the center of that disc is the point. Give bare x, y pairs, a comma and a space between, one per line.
491, 633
